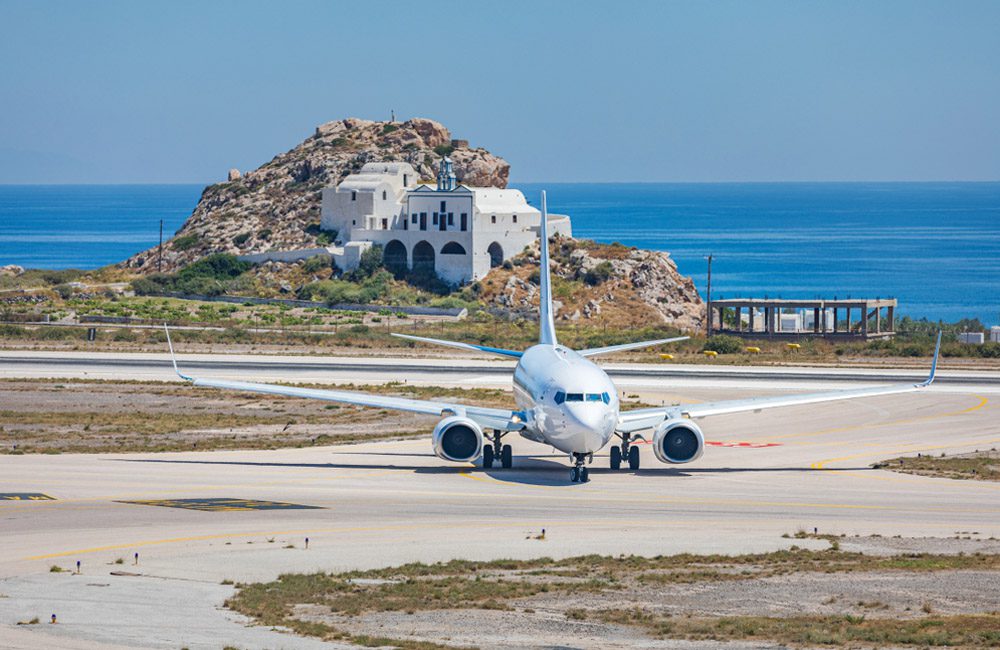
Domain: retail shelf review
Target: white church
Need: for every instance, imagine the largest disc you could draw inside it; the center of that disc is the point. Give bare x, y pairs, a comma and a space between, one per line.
457, 231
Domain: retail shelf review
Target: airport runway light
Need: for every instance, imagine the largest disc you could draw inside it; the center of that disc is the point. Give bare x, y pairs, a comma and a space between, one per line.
136, 560
53, 619
307, 543
78, 567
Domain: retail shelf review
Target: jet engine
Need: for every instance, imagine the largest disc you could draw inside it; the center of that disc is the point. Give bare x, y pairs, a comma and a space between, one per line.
678, 441
458, 439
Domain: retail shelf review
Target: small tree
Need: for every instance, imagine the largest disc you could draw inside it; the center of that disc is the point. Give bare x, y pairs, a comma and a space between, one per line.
724, 344
371, 261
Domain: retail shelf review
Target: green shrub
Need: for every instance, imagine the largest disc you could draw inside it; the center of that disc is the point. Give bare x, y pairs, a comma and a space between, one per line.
60, 276
724, 344
184, 242
599, 274
990, 350
427, 280
13, 331
241, 238
152, 284
317, 263
444, 150
209, 276
264, 233
323, 237
389, 128
370, 262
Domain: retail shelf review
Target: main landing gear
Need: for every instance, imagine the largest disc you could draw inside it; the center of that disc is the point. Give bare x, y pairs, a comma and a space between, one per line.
579, 473
627, 452
497, 451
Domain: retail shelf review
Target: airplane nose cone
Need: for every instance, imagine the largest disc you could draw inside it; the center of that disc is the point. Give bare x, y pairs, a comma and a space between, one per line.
594, 427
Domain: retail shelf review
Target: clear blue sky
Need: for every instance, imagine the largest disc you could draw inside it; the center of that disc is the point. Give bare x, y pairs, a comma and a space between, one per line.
566, 91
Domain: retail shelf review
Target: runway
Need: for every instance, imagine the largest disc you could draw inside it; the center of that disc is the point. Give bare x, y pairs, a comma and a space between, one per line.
387, 503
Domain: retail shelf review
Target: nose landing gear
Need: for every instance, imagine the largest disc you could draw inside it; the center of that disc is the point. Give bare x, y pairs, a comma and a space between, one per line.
579, 473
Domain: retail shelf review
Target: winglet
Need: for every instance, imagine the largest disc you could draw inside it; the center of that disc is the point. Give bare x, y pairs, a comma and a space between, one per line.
173, 358
937, 352
546, 321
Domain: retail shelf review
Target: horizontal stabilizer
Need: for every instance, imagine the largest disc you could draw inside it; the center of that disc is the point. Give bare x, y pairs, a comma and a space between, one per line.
593, 352
462, 346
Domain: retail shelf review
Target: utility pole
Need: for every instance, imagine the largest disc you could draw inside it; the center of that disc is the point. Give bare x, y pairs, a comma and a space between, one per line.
159, 251
709, 295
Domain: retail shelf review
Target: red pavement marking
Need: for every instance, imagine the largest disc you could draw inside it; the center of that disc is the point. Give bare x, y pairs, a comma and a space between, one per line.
735, 443
724, 443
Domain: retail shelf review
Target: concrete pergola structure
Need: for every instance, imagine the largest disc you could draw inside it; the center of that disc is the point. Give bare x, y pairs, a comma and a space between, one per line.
826, 317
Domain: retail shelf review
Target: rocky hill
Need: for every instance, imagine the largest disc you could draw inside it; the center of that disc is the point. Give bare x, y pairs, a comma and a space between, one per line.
277, 206
612, 284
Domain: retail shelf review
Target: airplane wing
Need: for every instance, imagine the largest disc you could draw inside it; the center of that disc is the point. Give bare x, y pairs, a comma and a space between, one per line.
462, 346
639, 419
593, 352
491, 418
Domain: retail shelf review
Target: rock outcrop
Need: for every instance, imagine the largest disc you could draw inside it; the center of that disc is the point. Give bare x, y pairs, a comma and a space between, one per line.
277, 206
613, 284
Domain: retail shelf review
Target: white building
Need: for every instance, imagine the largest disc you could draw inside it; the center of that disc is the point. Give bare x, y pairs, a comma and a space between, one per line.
972, 338
457, 231
995, 334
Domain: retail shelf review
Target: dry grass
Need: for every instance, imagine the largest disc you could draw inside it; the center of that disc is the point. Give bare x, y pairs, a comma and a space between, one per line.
966, 631
978, 466
459, 585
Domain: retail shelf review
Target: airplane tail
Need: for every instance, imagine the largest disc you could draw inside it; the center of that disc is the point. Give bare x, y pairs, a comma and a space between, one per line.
547, 325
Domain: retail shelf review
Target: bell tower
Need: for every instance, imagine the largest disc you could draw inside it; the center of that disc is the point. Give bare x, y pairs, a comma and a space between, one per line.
446, 177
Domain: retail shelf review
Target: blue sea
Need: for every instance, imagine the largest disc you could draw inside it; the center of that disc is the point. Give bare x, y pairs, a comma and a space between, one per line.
933, 246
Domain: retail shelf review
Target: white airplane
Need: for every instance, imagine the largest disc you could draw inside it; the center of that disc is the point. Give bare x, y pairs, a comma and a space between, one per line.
563, 400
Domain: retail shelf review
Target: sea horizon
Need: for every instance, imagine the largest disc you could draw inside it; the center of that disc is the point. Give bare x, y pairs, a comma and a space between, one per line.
797, 239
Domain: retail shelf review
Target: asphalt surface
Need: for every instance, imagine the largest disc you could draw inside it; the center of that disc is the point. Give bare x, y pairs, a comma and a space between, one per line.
387, 503
151, 366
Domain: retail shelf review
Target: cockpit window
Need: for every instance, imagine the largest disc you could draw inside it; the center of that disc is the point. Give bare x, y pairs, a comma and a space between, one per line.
561, 397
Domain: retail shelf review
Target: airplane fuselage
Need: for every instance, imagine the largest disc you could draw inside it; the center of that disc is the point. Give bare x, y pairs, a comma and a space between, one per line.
570, 403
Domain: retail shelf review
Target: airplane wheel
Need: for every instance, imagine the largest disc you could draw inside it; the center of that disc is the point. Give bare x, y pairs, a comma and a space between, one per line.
574, 474
506, 457
584, 475
487, 457
633, 458
616, 458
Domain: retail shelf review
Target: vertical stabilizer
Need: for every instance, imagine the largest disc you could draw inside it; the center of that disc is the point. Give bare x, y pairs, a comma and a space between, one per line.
547, 325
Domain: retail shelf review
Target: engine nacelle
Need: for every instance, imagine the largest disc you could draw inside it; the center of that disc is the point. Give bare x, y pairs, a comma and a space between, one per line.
458, 439
678, 441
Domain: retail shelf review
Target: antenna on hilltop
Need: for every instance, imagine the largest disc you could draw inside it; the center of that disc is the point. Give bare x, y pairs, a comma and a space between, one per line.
392, 115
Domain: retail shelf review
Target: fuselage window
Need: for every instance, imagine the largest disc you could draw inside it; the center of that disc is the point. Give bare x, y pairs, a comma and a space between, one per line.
574, 397
593, 397
605, 398
560, 397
